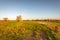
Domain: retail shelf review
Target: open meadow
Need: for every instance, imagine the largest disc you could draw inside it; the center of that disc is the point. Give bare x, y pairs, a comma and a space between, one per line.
29, 30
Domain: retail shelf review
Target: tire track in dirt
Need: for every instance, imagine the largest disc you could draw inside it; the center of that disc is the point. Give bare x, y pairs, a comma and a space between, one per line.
40, 36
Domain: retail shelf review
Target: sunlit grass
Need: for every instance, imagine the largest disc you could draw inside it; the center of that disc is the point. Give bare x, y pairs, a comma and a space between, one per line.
18, 30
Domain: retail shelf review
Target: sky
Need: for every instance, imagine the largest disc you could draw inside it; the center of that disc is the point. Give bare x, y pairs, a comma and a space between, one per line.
30, 9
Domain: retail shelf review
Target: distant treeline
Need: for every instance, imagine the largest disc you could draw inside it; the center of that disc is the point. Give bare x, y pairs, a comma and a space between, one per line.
48, 20
34, 20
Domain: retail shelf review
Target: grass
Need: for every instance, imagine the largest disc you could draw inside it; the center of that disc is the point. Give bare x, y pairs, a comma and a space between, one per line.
18, 30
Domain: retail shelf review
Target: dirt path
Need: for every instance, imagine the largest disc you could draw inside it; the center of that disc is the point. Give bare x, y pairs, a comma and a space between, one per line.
40, 36
51, 26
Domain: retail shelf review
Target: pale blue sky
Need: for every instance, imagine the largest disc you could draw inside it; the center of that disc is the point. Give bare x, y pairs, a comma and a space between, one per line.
30, 9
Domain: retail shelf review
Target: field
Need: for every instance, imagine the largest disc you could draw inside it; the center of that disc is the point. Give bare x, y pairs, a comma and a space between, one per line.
29, 30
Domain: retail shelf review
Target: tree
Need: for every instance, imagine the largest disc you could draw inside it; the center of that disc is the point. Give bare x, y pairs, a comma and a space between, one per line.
6, 19
19, 18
